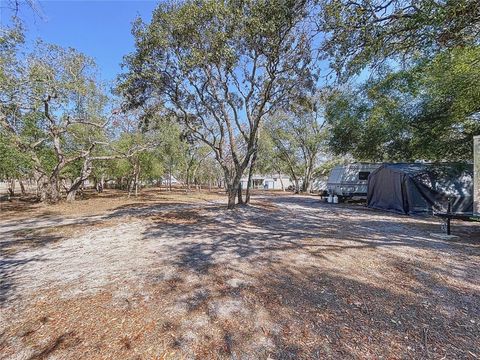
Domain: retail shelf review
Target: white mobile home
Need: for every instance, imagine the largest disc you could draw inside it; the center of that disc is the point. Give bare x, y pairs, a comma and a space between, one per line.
268, 182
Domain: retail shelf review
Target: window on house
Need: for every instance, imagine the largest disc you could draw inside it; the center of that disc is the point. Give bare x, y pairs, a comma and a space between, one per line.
363, 175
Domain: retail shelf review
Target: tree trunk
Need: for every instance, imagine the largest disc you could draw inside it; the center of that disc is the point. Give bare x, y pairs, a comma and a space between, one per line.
39, 181
22, 188
170, 177
72, 191
100, 184
305, 184
137, 179
41, 189
133, 186
38, 187
308, 175
53, 189
232, 196
190, 176
43, 192
77, 183
250, 174
11, 188
195, 179
239, 193
297, 186
233, 184
188, 179
281, 181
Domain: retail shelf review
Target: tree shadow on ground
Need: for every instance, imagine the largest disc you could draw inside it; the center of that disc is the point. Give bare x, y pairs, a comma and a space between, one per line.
12, 206
421, 317
140, 209
252, 232
264, 281
321, 313
306, 313
279, 312
9, 270
14, 256
65, 340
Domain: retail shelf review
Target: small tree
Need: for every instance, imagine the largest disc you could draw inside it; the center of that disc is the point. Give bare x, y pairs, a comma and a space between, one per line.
298, 137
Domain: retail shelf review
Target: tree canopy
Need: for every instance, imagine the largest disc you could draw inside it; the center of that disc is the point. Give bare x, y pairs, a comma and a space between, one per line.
429, 112
365, 33
420, 101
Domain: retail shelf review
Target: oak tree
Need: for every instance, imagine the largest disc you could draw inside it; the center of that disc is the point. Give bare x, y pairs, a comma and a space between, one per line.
221, 68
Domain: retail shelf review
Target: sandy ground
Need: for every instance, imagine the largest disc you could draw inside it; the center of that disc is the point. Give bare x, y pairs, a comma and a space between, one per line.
289, 277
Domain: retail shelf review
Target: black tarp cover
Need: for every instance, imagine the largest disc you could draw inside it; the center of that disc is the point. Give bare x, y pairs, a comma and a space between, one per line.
420, 188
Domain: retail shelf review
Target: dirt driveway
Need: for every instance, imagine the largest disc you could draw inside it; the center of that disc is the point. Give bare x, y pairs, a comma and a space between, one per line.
286, 278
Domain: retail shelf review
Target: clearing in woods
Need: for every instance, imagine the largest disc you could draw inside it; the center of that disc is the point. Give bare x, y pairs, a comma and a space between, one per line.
178, 276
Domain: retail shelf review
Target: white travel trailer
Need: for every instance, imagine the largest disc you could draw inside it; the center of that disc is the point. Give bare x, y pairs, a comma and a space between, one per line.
350, 181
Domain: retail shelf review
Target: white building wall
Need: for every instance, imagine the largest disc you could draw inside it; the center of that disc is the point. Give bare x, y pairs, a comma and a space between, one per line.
268, 182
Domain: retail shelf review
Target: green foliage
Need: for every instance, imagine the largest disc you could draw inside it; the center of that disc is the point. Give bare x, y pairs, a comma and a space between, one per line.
295, 140
13, 163
52, 113
325, 168
269, 160
430, 112
208, 171
10, 41
365, 33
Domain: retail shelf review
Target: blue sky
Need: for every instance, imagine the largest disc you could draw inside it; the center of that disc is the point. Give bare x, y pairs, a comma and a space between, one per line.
98, 28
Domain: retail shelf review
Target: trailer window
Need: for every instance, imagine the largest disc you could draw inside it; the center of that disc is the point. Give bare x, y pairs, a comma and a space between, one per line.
363, 175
